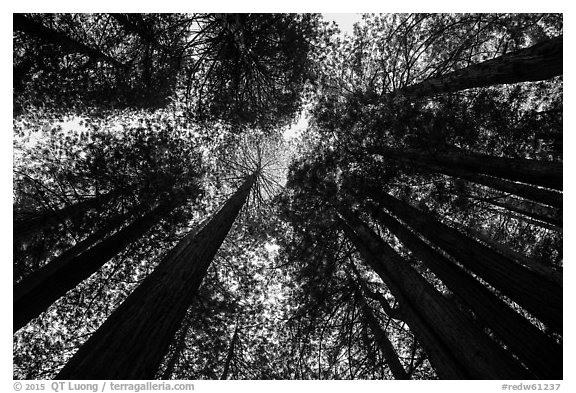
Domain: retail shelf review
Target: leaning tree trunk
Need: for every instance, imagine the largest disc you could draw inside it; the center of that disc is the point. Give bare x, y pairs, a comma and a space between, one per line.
538, 62
230, 353
38, 291
554, 274
548, 197
133, 340
179, 346
100, 234
536, 293
476, 354
543, 356
38, 30
440, 356
538, 173
533, 193
382, 339
25, 229
538, 212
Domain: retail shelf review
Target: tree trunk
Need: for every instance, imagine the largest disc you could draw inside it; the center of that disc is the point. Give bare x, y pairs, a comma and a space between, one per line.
539, 212
533, 193
543, 356
531, 221
477, 356
538, 62
443, 361
134, 339
546, 270
36, 29
539, 173
540, 195
531, 290
25, 229
178, 348
230, 353
38, 291
383, 341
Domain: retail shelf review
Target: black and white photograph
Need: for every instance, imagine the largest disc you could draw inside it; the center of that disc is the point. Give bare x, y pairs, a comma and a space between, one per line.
287, 196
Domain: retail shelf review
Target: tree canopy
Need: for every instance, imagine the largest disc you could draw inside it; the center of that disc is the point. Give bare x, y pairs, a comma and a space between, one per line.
170, 222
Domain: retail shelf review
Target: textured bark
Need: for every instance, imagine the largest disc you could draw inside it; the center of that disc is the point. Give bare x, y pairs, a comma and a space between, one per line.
36, 29
441, 358
477, 355
538, 62
539, 212
531, 290
546, 270
37, 292
133, 340
25, 229
539, 173
543, 356
383, 342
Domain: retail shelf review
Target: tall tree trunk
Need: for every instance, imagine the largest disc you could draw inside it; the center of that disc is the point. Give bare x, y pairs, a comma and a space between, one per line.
134, 339
539, 212
38, 291
532, 264
178, 348
538, 62
382, 339
230, 353
533, 193
38, 30
25, 229
531, 221
443, 361
477, 356
539, 173
531, 290
543, 356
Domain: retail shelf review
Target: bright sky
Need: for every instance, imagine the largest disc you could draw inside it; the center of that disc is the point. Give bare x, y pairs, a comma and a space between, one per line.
344, 21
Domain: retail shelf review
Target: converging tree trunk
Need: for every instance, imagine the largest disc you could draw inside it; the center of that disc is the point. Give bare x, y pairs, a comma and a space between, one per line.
476, 355
538, 212
443, 361
554, 274
133, 340
38, 291
538, 62
548, 197
25, 229
382, 339
535, 292
543, 356
230, 353
533, 193
178, 348
539, 173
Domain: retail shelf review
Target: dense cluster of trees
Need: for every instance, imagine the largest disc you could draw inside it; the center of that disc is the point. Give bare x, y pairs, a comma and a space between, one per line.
165, 227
